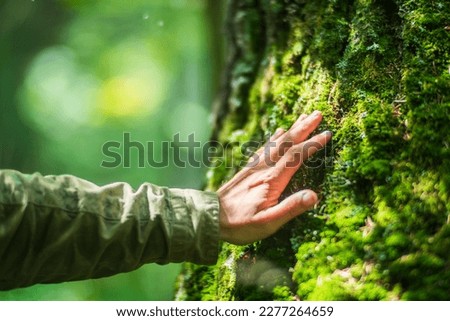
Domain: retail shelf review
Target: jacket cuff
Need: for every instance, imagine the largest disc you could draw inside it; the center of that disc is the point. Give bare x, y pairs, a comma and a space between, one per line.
195, 227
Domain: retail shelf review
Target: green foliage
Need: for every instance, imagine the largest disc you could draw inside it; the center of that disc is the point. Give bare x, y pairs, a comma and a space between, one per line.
379, 72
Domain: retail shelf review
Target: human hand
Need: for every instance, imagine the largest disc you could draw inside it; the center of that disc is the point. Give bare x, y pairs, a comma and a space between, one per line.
249, 203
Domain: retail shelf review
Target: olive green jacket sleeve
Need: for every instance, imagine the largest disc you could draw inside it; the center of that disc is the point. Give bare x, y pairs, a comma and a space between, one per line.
62, 228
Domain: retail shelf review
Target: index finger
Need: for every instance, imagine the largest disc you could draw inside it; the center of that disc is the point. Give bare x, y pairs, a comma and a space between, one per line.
298, 132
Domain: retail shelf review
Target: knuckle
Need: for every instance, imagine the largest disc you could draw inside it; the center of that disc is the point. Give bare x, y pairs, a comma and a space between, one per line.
294, 157
270, 177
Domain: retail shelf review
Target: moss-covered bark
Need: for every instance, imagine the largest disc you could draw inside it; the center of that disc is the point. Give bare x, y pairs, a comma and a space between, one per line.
379, 70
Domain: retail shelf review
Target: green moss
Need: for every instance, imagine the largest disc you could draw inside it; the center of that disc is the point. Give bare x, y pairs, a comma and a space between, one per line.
282, 293
379, 72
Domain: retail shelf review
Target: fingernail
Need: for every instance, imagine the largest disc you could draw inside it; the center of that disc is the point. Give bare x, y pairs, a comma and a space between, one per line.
316, 113
279, 131
309, 198
328, 133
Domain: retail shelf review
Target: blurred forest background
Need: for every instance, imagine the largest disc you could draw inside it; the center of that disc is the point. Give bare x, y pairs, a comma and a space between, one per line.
75, 74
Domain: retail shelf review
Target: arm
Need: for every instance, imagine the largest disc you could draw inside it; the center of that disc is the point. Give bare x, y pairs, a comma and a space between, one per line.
62, 228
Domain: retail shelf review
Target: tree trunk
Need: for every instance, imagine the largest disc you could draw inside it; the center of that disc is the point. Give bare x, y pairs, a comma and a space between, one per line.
379, 70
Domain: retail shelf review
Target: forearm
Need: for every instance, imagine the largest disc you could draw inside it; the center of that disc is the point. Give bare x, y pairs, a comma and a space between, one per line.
61, 228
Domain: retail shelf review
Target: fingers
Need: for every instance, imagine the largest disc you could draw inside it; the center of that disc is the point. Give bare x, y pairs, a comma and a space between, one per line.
287, 209
301, 118
295, 156
278, 133
302, 128
282, 141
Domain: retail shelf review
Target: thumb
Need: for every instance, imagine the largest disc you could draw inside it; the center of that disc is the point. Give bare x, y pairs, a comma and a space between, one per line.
289, 208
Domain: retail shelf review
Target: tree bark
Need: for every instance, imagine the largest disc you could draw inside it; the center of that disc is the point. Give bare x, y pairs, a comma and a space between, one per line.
379, 70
